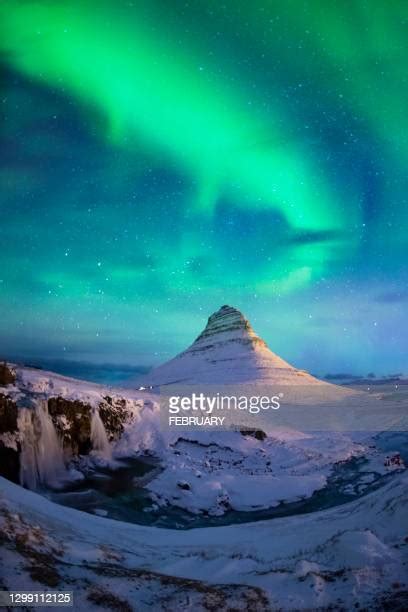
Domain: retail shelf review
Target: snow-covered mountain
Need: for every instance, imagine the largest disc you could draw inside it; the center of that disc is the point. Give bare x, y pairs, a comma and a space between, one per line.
228, 351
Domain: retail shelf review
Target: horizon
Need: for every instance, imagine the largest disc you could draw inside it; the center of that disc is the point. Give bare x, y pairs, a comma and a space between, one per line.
42, 362
152, 359
64, 365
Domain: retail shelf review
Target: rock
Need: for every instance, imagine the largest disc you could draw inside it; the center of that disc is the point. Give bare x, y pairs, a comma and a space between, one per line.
72, 420
7, 376
184, 485
113, 414
9, 444
8, 415
10, 462
255, 433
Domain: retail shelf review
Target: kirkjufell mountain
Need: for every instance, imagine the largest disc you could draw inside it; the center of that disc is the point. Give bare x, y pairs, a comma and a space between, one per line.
227, 351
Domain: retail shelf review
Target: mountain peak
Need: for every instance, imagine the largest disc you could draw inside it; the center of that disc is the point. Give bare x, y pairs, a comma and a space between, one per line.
227, 351
230, 323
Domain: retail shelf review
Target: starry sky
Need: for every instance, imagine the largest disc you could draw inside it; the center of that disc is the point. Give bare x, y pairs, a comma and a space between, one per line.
161, 159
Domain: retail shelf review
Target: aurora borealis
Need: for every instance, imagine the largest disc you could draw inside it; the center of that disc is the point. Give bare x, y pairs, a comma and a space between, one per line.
160, 159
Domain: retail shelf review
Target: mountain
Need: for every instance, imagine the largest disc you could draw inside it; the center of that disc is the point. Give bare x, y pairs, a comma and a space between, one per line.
228, 351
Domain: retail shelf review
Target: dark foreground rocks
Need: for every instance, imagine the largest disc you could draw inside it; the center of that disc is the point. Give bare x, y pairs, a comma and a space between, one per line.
7, 376
71, 418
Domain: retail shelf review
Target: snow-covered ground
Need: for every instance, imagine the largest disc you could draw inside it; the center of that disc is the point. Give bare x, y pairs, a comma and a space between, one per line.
218, 471
356, 552
37, 381
203, 471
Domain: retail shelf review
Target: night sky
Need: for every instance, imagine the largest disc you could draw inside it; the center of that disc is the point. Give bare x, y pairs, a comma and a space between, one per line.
163, 158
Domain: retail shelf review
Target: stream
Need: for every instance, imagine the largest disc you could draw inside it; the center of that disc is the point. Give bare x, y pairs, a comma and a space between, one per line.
119, 494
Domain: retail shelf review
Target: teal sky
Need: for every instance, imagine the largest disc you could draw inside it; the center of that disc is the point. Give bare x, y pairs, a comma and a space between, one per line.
160, 159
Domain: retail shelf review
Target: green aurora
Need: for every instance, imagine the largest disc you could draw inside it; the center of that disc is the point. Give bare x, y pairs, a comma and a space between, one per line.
162, 158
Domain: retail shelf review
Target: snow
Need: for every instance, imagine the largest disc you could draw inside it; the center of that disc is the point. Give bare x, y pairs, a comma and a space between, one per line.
227, 351
353, 552
333, 558
33, 380
227, 470
224, 470
237, 491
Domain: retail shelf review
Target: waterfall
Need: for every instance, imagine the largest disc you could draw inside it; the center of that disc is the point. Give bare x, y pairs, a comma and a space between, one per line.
28, 455
99, 438
41, 458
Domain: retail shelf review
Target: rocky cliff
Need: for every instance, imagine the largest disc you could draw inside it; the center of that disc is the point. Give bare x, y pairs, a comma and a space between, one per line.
69, 404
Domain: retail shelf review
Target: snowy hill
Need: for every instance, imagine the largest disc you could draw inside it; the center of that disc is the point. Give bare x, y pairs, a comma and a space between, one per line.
227, 351
339, 559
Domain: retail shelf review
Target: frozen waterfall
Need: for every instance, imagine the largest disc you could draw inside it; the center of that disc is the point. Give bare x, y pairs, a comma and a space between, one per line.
41, 458
99, 438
